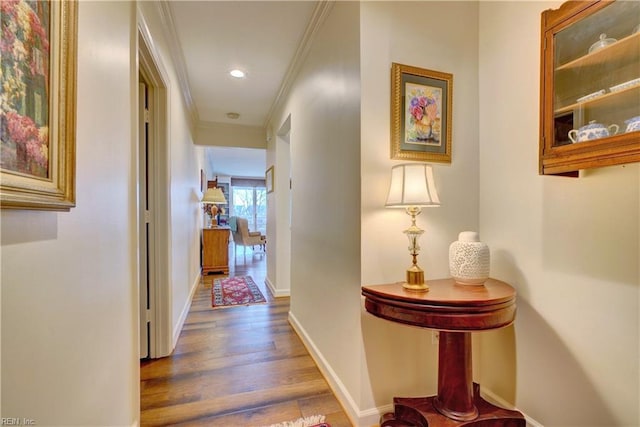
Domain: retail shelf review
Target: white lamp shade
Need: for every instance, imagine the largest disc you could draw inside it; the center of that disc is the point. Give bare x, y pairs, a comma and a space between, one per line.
214, 196
412, 184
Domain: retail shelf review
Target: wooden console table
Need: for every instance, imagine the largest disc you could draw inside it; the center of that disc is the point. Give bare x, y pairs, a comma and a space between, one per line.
215, 250
456, 311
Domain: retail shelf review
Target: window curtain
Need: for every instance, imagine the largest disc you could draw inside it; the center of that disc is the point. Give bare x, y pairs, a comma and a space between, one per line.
248, 182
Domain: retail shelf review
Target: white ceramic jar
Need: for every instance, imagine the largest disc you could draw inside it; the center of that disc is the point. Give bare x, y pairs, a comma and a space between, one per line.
469, 259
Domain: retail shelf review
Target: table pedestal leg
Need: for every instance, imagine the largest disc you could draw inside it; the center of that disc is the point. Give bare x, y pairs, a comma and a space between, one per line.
455, 377
458, 402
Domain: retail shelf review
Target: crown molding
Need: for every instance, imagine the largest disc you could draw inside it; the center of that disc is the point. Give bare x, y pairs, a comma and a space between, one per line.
320, 13
177, 56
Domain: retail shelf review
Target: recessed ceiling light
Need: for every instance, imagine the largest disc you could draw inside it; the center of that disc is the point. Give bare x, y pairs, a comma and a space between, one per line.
237, 73
233, 115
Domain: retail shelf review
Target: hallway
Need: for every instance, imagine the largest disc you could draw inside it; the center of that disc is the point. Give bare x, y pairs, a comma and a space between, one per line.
239, 366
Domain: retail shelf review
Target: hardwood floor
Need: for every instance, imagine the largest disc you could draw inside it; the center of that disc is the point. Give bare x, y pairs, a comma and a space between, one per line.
236, 366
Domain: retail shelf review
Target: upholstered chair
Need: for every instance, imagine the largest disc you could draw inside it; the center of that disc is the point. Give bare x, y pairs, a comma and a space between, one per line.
243, 237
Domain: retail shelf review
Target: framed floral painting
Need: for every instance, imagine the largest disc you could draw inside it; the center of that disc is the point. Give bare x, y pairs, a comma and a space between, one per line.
38, 104
420, 114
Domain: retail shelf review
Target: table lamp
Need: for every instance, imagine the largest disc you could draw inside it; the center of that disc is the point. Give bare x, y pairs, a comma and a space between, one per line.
412, 187
211, 198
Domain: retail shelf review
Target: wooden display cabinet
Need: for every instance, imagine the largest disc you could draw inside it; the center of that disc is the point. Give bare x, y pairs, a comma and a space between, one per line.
590, 83
215, 250
223, 218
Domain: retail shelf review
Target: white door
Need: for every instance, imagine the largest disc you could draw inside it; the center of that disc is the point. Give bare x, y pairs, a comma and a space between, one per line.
144, 221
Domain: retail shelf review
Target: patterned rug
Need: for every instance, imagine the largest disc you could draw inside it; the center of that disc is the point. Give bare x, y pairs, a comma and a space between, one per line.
312, 421
241, 290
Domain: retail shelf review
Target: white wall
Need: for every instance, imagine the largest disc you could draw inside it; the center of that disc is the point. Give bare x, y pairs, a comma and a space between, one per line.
441, 36
569, 246
230, 135
69, 289
70, 280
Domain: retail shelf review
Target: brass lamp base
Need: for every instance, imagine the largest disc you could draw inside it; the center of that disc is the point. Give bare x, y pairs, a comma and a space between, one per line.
415, 279
214, 216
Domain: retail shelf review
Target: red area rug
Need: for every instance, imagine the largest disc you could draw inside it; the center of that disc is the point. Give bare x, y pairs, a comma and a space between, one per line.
241, 290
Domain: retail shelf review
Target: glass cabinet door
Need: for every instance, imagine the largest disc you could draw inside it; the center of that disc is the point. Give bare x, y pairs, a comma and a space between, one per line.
590, 106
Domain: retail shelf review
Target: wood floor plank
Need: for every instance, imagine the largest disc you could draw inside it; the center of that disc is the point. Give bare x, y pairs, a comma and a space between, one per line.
194, 362
263, 416
236, 366
259, 375
192, 410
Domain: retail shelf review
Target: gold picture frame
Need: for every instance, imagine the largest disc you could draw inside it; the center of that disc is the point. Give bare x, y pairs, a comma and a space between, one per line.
421, 110
268, 179
37, 163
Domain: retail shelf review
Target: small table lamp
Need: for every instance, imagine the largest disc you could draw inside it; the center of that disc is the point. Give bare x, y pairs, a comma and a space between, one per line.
412, 187
213, 197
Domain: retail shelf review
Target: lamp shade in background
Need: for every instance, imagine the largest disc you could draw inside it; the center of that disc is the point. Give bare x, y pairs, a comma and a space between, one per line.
211, 198
214, 196
412, 184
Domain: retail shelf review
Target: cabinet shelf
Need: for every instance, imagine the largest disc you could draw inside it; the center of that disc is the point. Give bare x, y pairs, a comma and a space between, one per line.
627, 47
606, 99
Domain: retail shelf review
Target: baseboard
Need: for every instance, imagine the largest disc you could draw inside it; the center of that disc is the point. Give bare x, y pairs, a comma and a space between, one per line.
177, 329
343, 396
277, 293
369, 417
491, 397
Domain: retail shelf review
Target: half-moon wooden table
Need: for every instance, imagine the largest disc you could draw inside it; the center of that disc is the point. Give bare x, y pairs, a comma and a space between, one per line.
455, 310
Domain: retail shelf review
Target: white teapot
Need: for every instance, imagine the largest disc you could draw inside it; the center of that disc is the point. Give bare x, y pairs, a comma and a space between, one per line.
592, 131
633, 124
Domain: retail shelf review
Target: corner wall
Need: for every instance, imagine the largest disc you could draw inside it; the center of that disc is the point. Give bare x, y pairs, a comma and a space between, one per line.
342, 236
569, 246
398, 360
324, 109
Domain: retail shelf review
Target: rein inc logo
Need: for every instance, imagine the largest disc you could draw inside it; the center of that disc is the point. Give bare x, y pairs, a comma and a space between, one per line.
14, 421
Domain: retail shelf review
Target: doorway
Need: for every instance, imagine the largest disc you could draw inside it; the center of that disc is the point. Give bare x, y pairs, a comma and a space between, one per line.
156, 338
280, 215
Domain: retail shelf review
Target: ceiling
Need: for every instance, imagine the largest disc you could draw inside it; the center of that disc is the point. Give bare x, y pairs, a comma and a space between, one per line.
261, 38
238, 162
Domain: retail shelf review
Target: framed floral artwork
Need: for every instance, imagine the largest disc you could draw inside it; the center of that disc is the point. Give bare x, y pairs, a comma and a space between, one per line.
421, 105
38, 104
268, 178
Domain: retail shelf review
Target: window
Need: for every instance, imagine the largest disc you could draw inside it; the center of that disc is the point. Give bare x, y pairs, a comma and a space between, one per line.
250, 202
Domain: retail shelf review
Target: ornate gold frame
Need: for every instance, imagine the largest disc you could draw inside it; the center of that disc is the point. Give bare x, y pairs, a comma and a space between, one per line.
57, 192
401, 149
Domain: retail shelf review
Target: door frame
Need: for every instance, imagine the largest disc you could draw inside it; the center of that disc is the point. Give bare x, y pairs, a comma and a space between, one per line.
150, 66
